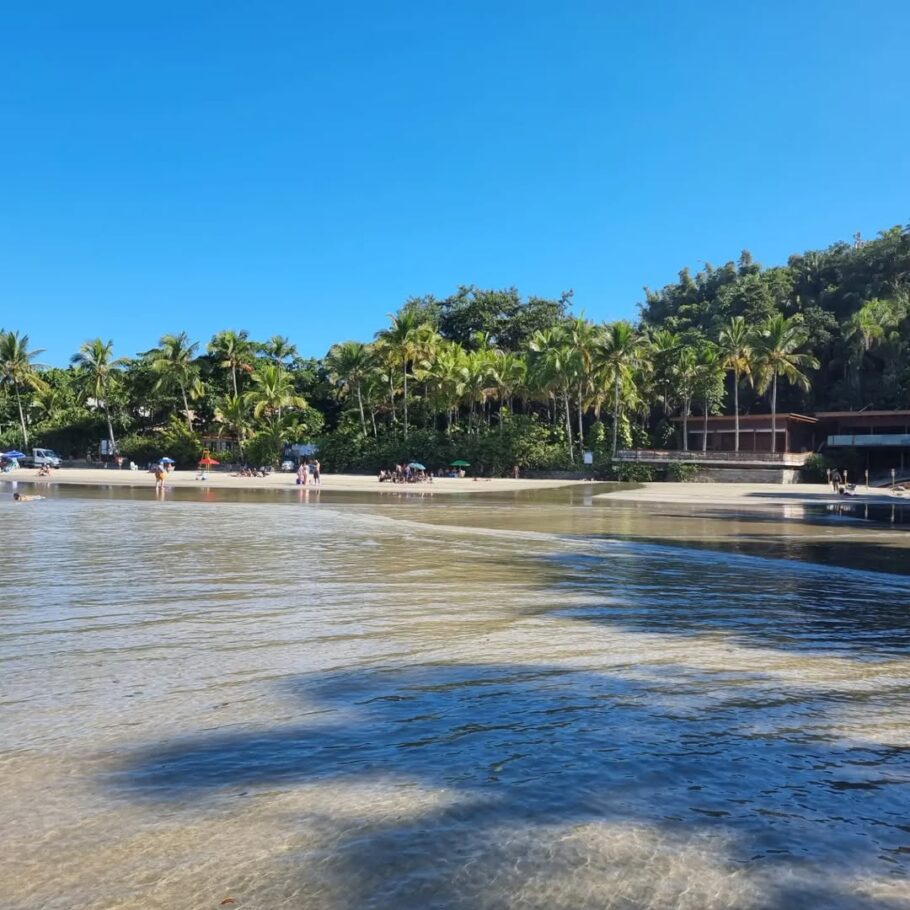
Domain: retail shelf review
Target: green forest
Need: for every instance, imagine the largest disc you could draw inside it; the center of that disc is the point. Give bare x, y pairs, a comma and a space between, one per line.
493, 377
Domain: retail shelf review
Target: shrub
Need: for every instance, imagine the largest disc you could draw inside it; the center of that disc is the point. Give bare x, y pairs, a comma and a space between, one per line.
634, 473
681, 472
141, 449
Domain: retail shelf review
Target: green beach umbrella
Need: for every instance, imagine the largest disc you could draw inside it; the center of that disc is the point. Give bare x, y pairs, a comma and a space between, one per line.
460, 464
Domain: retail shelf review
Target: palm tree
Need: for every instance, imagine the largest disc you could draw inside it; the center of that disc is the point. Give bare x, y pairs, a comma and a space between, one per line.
348, 364
95, 359
447, 377
478, 384
508, 373
272, 392
49, 402
231, 411
233, 351
777, 345
551, 369
172, 361
709, 375
619, 354
736, 352
685, 383
386, 370
280, 349
402, 338
663, 347
584, 337
871, 326
17, 370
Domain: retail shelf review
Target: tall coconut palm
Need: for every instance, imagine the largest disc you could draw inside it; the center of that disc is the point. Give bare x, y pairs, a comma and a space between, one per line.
49, 402
478, 383
552, 370
685, 383
446, 376
584, 338
234, 352
280, 350
735, 342
172, 362
272, 392
17, 371
508, 372
871, 326
402, 338
619, 355
231, 411
95, 359
349, 364
777, 353
709, 376
663, 347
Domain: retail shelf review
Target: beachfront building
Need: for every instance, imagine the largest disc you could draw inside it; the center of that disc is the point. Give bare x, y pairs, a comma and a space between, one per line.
795, 433
873, 441
881, 438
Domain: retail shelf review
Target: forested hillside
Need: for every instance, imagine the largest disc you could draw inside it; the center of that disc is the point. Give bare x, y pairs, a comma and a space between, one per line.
492, 377
851, 298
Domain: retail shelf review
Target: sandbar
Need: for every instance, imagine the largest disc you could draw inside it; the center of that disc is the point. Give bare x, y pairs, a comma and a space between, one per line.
741, 495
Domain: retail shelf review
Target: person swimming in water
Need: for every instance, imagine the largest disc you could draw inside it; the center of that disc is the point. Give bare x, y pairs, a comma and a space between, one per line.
19, 497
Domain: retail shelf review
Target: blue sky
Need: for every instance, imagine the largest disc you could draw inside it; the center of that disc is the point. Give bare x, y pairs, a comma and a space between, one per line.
303, 168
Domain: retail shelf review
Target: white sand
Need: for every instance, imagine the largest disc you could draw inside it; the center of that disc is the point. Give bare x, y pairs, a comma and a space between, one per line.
746, 494
278, 481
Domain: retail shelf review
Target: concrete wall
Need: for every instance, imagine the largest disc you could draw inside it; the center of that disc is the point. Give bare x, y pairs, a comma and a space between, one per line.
711, 474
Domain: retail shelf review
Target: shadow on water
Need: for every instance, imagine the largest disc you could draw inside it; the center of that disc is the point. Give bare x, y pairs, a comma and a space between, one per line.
763, 603
529, 754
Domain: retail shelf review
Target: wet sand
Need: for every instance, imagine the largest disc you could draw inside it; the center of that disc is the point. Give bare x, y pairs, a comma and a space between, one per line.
354, 483
741, 495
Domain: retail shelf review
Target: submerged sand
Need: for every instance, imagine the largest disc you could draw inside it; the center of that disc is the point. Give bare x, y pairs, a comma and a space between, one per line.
355, 483
747, 494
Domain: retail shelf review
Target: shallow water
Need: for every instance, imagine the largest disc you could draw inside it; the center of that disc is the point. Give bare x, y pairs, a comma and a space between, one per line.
541, 701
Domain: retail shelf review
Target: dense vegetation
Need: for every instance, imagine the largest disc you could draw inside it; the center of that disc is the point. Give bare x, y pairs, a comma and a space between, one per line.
489, 377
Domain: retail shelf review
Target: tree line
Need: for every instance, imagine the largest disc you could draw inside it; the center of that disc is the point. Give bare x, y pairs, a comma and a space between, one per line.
489, 375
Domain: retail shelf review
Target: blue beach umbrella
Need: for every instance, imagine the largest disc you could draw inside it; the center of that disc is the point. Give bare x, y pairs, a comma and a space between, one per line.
15, 454
417, 466
167, 460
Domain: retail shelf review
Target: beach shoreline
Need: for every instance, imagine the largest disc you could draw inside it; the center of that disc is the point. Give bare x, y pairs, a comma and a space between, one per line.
279, 481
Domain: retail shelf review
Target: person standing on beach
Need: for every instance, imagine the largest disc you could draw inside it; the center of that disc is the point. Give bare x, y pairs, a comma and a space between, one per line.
316, 475
836, 480
159, 478
301, 474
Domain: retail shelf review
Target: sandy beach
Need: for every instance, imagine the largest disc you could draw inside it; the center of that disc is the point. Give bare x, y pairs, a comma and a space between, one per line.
352, 483
741, 495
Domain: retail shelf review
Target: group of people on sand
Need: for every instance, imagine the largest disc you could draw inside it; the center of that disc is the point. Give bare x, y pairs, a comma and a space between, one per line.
309, 471
404, 473
247, 471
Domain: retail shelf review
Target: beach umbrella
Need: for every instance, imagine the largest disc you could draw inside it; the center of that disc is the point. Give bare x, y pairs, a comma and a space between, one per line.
208, 460
15, 454
460, 464
417, 466
167, 460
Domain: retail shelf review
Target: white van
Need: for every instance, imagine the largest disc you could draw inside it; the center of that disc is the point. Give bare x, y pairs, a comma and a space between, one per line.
43, 457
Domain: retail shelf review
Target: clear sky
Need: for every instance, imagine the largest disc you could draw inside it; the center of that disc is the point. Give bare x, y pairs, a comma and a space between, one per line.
302, 168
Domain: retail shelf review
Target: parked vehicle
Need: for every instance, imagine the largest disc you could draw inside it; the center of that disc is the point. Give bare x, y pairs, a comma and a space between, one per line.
40, 457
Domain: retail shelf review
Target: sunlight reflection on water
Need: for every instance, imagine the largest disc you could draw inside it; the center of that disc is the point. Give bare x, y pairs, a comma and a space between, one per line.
443, 704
